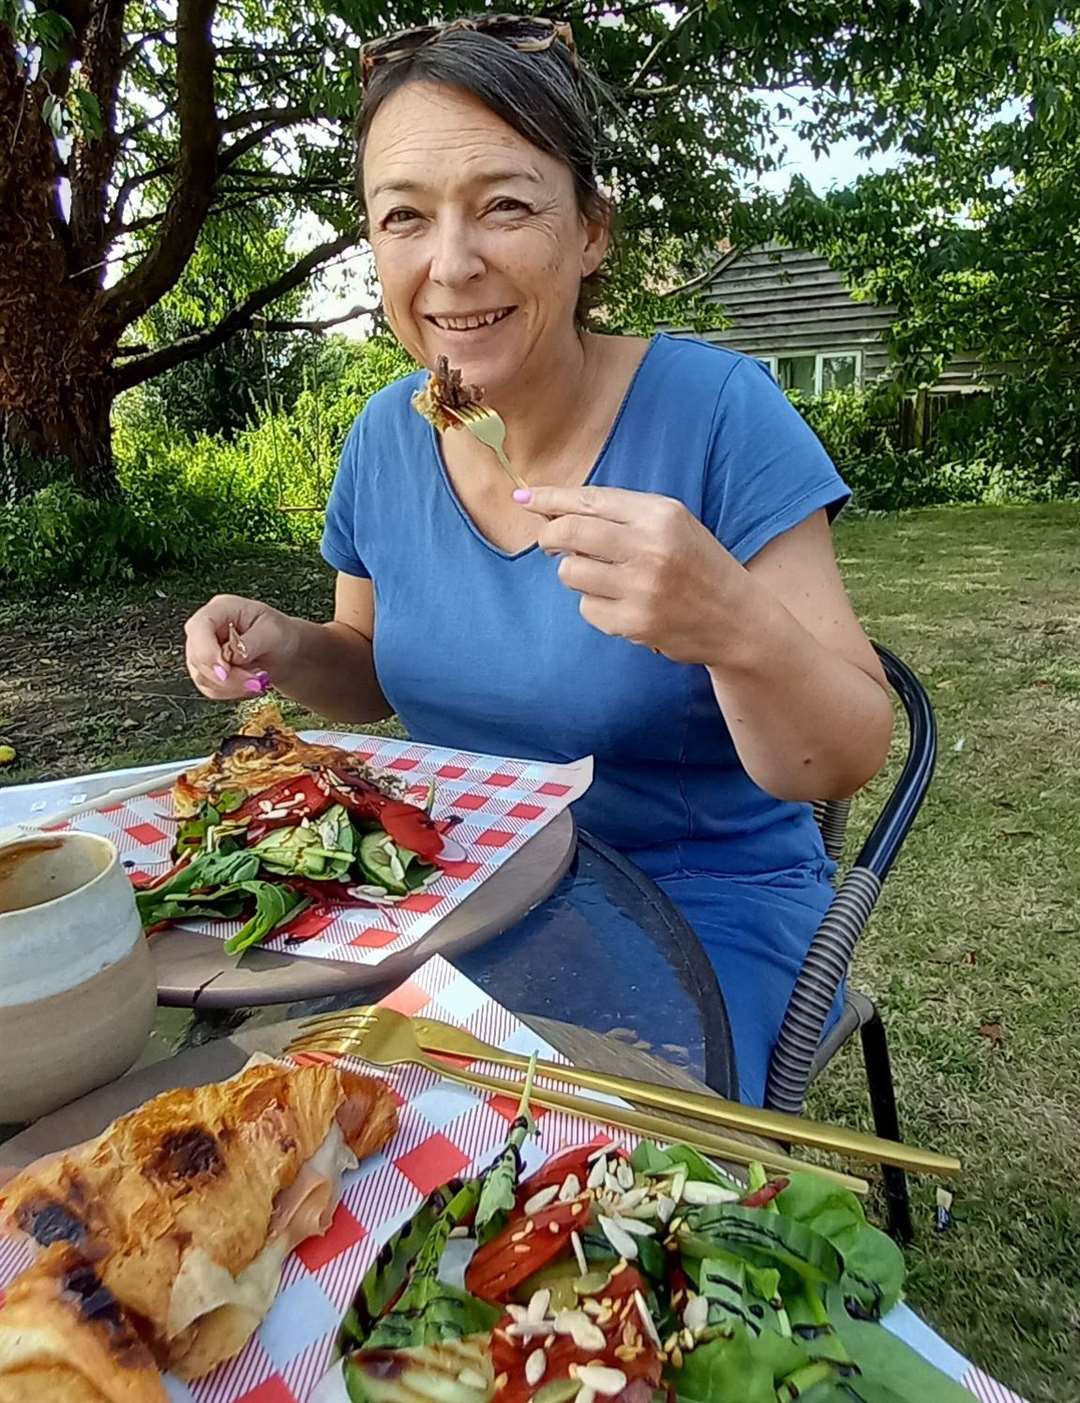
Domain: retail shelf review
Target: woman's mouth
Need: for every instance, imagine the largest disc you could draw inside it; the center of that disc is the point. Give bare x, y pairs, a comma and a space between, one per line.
469, 321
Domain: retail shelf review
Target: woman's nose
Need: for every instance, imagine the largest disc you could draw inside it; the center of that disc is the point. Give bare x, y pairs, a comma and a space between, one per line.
456, 258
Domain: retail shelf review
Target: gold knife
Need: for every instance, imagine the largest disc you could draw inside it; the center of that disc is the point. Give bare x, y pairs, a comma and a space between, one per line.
435, 1036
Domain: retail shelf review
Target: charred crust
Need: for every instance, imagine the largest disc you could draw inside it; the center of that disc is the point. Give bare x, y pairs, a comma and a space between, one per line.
187, 1154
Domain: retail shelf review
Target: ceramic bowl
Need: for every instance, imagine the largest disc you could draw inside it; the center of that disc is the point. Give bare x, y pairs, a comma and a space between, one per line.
77, 984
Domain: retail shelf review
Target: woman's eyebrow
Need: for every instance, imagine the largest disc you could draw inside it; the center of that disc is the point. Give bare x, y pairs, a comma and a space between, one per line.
491, 177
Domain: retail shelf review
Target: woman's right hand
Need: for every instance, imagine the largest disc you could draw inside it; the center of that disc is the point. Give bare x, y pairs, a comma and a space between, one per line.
268, 636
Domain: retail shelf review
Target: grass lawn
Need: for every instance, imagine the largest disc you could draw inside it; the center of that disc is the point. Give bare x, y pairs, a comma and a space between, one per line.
974, 954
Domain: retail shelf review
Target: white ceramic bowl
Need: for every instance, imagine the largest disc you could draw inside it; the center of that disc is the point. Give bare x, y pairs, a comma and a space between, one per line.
77, 984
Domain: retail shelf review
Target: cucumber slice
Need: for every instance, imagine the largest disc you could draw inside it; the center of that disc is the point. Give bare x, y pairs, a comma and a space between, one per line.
375, 863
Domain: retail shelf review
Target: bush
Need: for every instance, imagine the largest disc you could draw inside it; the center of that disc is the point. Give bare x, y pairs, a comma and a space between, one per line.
1019, 442
185, 500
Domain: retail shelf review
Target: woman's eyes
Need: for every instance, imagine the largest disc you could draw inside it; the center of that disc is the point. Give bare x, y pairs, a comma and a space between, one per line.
404, 216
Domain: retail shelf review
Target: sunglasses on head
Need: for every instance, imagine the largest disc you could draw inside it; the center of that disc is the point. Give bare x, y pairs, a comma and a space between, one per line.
529, 34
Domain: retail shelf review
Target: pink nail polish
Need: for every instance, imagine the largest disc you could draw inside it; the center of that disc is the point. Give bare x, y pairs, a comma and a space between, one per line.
254, 685
263, 677
221, 673
522, 494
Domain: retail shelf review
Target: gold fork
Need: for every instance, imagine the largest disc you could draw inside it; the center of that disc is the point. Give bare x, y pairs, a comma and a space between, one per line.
385, 1038
487, 428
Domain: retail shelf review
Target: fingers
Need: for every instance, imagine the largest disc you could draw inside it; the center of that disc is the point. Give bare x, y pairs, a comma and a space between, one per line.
613, 503
583, 535
591, 577
217, 634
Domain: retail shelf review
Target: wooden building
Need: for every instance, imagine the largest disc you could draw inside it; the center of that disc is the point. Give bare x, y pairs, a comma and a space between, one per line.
790, 309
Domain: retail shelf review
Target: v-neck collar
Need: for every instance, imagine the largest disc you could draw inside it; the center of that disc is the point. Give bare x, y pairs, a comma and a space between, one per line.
436, 448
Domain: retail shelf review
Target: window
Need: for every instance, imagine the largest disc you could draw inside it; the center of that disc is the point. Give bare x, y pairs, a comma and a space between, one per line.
815, 372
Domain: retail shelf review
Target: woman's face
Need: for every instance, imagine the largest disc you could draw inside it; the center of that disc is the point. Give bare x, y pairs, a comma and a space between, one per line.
479, 242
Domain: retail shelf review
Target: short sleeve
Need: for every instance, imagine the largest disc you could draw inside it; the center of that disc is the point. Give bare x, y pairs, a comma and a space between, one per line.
339, 547
766, 469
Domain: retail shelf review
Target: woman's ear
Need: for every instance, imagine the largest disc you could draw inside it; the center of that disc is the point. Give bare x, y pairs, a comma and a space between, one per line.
597, 231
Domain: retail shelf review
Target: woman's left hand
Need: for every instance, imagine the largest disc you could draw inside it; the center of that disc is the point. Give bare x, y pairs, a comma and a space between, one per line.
645, 567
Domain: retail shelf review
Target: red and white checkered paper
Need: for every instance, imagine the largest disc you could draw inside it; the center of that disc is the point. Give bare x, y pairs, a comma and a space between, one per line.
444, 1131
503, 803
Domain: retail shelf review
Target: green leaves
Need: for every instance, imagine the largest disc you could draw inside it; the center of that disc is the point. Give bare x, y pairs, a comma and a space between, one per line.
274, 905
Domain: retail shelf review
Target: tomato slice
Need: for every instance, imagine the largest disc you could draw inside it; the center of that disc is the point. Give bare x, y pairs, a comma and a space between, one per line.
638, 1357
299, 798
512, 1257
555, 1171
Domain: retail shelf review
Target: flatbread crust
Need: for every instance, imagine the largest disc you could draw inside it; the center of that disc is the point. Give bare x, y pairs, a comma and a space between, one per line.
185, 1196
263, 752
65, 1339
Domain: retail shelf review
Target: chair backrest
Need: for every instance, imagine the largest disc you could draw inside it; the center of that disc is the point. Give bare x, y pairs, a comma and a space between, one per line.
829, 957
906, 799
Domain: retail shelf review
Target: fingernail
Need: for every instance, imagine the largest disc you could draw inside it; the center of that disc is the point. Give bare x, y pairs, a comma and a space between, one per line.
522, 494
221, 673
263, 677
254, 685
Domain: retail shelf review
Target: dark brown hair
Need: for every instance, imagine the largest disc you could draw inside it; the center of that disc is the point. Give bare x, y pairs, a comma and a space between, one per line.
543, 96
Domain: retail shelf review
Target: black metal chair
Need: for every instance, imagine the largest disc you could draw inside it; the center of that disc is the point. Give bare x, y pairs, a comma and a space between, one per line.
801, 1053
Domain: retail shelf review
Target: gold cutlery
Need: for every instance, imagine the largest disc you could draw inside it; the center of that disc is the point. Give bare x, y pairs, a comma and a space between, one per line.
434, 1036
386, 1038
487, 428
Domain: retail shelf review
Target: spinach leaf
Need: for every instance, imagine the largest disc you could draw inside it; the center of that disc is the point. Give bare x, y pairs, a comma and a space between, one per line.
873, 1263
273, 905
650, 1160
501, 1181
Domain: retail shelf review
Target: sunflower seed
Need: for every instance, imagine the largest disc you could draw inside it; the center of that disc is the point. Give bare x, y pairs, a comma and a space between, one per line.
619, 1238
580, 1328
601, 1379
579, 1253
538, 1305
625, 1174
631, 1199
703, 1195
665, 1207
696, 1315
646, 1319
678, 1183
585, 1395
597, 1174
686, 1339
535, 1366
471, 1378
571, 1187
611, 1183
634, 1226
542, 1198
528, 1329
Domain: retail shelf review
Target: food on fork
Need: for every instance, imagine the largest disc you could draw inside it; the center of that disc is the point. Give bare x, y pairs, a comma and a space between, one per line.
182, 1214
442, 393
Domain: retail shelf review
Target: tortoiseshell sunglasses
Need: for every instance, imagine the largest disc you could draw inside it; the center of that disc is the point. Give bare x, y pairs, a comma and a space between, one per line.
529, 34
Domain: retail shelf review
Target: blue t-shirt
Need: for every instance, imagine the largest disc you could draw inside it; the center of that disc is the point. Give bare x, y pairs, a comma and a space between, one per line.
480, 649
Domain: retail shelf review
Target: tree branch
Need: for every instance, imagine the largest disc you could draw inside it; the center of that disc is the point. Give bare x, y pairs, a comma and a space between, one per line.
115, 224
269, 324
93, 159
661, 44
196, 172
134, 372
286, 117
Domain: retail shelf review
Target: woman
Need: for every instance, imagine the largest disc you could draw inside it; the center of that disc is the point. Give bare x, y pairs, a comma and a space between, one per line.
694, 635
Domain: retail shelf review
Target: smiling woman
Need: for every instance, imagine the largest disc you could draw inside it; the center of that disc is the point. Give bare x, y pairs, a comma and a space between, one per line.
694, 635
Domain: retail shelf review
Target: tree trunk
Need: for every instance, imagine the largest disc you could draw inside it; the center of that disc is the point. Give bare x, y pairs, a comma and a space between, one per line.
56, 387
72, 424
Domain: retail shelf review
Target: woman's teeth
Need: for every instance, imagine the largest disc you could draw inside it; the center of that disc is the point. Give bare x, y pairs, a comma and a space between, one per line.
471, 323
